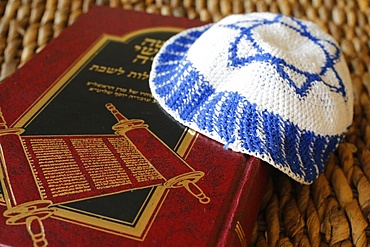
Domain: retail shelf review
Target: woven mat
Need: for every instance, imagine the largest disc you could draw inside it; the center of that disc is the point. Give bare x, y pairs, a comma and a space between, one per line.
335, 209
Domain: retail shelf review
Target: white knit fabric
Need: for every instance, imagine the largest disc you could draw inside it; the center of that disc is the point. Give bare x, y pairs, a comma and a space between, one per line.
263, 84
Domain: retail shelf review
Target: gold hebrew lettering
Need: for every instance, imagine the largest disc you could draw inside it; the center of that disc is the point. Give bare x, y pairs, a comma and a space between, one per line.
102, 69
159, 43
132, 74
111, 70
145, 76
151, 42
149, 51
94, 67
141, 57
120, 71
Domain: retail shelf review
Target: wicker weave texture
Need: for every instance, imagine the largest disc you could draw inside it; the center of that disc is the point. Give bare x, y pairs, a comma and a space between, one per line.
335, 209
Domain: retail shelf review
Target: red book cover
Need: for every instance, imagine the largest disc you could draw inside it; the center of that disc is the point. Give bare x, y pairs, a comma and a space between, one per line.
89, 159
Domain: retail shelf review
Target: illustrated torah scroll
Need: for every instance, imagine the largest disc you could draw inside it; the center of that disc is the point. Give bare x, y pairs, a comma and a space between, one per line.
61, 169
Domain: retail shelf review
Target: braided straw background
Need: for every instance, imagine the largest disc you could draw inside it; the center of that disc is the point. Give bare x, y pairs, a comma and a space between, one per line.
335, 209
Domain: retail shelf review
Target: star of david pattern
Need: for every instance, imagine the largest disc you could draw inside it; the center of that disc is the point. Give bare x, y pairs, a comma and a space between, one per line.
328, 47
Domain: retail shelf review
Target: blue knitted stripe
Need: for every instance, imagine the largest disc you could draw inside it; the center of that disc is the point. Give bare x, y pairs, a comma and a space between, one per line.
165, 78
184, 92
306, 147
183, 42
319, 147
226, 118
207, 116
172, 60
248, 128
291, 143
167, 67
282, 140
296, 144
180, 46
164, 89
195, 33
197, 99
168, 57
183, 97
273, 127
166, 82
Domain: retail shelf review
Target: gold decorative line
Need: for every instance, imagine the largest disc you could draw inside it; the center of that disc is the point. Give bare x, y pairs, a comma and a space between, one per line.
4, 178
106, 218
181, 138
187, 143
241, 234
2, 121
137, 232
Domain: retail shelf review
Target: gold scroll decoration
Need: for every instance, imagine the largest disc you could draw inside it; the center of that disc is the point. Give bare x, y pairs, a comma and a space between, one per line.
187, 180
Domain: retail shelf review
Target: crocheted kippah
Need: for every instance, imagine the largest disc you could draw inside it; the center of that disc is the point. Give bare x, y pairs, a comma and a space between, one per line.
264, 84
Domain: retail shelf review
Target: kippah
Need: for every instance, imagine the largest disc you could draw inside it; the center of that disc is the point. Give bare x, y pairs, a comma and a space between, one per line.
267, 85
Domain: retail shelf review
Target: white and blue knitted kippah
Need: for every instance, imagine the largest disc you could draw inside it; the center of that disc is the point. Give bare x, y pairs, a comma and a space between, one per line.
264, 84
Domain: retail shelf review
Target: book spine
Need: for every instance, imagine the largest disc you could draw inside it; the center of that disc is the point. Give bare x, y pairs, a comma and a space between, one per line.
244, 206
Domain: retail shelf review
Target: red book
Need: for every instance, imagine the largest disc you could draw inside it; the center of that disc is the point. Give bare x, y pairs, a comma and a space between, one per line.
89, 159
